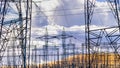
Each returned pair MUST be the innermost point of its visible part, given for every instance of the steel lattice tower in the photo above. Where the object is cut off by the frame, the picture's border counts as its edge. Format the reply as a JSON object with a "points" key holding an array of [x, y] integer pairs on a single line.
{"points": [[89, 4], [94, 38], [20, 25]]}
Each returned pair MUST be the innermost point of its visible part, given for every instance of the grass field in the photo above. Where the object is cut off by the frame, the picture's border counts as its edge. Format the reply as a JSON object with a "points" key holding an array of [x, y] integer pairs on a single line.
{"points": [[101, 60]]}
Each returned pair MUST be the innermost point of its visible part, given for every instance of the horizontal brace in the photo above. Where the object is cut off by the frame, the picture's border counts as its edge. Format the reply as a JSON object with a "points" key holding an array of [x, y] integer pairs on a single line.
{"points": [[105, 28], [96, 38], [112, 35], [13, 21]]}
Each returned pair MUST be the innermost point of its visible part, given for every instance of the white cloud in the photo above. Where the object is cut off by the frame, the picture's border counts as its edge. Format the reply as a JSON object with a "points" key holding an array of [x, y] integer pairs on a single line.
{"points": [[77, 28], [73, 13]]}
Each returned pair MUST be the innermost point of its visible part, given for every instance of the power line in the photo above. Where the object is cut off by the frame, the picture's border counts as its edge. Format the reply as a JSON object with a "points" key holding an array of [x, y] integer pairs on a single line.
{"points": [[74, 14]]}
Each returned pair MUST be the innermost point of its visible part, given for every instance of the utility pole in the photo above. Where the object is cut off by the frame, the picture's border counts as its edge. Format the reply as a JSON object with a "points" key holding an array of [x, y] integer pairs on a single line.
{"points": [[46, 38], [46, 48], [63, 37], [64, 44]]}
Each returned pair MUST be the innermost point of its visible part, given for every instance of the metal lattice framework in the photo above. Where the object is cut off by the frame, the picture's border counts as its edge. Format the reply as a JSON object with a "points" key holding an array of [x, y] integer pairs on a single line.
{"points": [[15, 31], [99, 37]]}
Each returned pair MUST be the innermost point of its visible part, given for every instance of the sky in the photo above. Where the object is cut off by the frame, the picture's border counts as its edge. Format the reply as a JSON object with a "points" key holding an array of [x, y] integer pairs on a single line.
{"points": [[68, 14], [101, 0]]}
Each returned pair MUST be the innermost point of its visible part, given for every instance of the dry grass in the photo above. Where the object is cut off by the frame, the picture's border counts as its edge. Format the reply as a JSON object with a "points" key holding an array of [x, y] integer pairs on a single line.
{"points": [[95, 59]]}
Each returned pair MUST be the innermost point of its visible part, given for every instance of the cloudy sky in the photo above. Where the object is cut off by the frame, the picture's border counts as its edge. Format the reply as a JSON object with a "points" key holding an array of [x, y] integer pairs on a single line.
{"points": [[56, 14], [68, 14]]}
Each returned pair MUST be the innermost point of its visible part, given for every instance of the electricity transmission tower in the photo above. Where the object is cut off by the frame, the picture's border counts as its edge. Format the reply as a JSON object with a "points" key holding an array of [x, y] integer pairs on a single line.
{"points": [[20, 24], [96, 37]]}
